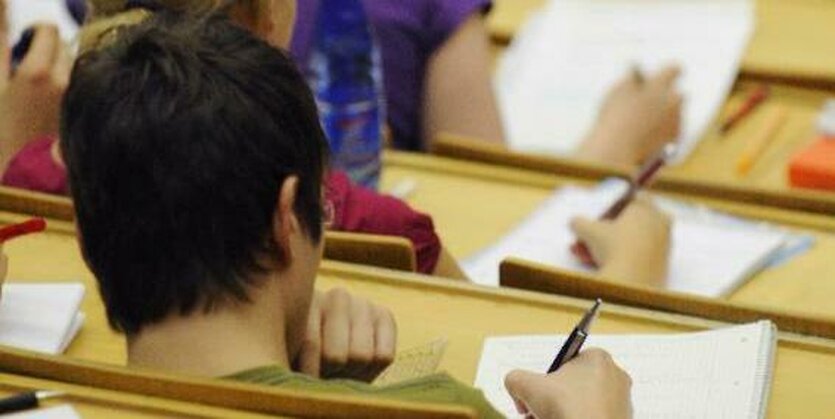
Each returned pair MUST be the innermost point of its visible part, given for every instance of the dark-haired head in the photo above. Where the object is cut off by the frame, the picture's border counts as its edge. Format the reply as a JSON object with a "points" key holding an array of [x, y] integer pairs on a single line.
{"points": [[195, 160]]}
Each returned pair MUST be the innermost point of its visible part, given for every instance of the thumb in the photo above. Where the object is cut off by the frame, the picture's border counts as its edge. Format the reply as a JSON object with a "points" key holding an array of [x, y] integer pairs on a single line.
{"points": [[521, 385], [589, 231]]}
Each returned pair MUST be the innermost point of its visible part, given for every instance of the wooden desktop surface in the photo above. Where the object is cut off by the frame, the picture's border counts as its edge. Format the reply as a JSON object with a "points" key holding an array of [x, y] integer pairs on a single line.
{"points": [[95, 403], [804, 380], [474, 205], [716, 156], [792, 41]]}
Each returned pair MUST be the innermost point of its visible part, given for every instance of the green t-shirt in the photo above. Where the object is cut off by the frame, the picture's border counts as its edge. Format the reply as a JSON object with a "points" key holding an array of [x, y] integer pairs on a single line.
{"points": [[436, 388]]}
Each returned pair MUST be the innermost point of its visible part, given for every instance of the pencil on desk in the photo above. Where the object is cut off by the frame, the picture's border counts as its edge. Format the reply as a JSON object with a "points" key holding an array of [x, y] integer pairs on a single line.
{"points": [[759, 142], [756, 97]]}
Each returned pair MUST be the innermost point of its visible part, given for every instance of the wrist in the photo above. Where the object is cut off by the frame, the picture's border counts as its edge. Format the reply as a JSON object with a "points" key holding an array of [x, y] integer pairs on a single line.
{"points": [[600, 147], [634, 270]]}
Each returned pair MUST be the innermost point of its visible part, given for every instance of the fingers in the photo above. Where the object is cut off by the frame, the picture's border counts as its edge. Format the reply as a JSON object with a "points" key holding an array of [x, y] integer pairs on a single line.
{"points": [[361, 342], [644, 203], [385, 341], [603, 363], [587, 230], [358, 338], [522, 387], [336, 332], [667, 77], [310, 356], [43, 54]]}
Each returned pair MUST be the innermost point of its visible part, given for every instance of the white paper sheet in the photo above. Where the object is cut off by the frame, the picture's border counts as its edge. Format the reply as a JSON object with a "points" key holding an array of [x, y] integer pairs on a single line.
{"points": [[724, 373], [556, 74], [711, 255], [40, 317]]}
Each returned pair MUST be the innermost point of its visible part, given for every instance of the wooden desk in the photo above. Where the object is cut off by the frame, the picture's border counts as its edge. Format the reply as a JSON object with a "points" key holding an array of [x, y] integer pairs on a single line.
{"points": [[96, 403], [804, 379], [715, 158], [710, 170], [792, 42], [466, 314], [497, 199]]}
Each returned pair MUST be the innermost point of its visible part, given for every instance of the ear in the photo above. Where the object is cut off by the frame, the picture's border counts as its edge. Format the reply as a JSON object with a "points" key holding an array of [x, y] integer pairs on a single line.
{"points": [[285, 222]]}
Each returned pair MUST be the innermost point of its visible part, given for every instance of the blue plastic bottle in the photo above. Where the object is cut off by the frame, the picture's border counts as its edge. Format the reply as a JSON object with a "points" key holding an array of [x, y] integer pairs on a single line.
{"points": [[344, 73]]}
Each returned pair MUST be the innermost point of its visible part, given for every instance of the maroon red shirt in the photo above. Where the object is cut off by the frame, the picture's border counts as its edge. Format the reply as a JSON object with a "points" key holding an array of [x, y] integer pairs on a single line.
{"points": [[355, 209]]}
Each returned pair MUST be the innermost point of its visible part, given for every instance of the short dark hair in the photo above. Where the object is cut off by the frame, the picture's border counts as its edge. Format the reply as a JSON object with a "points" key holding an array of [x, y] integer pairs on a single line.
{"points": [[178, 137]]}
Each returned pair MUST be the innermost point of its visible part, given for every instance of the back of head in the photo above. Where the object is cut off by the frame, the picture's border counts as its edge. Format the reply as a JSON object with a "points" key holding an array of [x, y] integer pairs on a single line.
{"points": [[177, 137], [110, 16]]}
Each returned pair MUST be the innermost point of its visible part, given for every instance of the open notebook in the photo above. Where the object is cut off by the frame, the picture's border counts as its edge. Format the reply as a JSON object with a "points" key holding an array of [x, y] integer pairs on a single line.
{"points": [[712, 254], [41, 317], [556, 74], [724, 373]]}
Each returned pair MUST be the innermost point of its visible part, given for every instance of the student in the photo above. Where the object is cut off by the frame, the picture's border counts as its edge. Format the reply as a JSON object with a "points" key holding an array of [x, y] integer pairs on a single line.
{"points": [[437, 63], [196, 160], [30, 97], [361, 210], [36, 165]]}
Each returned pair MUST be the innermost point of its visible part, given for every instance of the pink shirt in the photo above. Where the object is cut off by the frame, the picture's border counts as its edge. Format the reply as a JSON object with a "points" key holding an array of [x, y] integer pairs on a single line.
{"points": [[355, 209]]}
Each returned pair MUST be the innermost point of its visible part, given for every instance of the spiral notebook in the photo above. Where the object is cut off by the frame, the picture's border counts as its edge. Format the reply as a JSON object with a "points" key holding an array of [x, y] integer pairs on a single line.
{"points": [[723, 373]]}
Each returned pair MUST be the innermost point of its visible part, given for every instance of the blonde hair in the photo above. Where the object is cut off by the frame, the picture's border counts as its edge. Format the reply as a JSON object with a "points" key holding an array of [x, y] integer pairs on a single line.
{"points": [[108, 16]]}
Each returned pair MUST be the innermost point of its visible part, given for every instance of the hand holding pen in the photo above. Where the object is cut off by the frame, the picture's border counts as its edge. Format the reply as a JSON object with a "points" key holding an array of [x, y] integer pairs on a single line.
{"points": [[590, 385], [642, 178]]}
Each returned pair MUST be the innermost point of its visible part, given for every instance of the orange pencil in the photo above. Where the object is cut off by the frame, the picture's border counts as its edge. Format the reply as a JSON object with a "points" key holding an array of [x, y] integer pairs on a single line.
{"points": [[759, 142]]}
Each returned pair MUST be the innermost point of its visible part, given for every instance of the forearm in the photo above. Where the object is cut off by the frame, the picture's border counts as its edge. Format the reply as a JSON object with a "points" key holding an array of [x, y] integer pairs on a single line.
{"points": [[447, 267], [459, 95]]}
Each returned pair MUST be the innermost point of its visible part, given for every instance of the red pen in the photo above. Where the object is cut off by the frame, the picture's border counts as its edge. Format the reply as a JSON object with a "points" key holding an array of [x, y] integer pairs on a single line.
{"points": [[757, 96], [641, 179], [32, 225]]}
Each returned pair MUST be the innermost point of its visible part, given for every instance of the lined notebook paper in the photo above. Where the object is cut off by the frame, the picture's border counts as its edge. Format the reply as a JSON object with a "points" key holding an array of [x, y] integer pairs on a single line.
{"points": [[556, 74], [723, 373], [40, 317], [710, 256]]}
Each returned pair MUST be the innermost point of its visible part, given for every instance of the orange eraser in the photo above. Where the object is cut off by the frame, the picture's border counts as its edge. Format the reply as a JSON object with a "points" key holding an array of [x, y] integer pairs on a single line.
{"points": [[814, 167]]}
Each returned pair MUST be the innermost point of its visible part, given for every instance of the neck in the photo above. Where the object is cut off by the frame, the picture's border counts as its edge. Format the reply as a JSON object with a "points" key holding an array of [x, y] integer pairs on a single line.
{"points": [[231, 339]]}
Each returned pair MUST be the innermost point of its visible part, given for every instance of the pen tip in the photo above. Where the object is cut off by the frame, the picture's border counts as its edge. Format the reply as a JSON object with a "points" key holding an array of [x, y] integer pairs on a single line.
{"points": [[670, 151], [48, 394]]}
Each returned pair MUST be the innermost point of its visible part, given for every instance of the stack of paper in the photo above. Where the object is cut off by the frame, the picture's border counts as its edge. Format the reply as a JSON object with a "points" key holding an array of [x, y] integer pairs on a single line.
{"points": [[40, 317], [561, 65], [723, 373], [712, 254]]}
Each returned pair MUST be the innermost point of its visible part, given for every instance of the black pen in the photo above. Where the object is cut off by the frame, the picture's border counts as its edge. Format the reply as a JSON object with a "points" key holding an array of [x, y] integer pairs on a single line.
{"points": [[24, 401], [575, 341]]}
